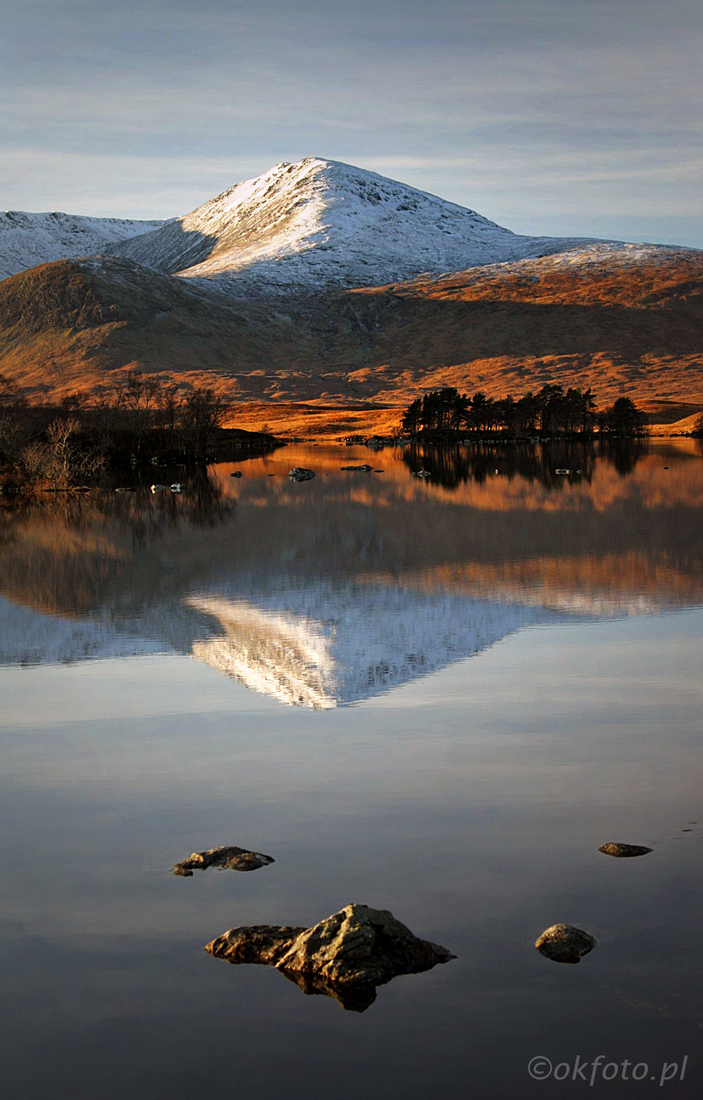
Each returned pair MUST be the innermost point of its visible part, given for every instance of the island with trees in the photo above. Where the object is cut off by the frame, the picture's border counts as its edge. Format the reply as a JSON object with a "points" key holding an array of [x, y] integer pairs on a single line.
{"points": [[553, 411]]}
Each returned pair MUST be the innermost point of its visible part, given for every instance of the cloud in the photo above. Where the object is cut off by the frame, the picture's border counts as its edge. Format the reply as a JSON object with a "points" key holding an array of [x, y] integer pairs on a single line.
{"points": [[556, 102]]}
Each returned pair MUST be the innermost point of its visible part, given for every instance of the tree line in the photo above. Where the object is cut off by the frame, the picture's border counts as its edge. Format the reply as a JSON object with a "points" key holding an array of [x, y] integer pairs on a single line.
{"points": [[552, 411]]}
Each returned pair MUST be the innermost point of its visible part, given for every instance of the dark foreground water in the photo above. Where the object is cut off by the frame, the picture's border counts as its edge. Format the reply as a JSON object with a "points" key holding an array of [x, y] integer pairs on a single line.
{"points": [[438, 698]]}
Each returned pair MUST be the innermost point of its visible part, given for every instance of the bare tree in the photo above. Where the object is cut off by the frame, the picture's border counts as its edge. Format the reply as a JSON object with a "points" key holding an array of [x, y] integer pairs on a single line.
{"points": [[138, 396], [201, 415], [61, 459]]}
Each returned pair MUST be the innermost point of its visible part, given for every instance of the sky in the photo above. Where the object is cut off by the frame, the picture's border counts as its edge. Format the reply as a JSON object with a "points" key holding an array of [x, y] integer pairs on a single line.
{"points": [[565, 117]]}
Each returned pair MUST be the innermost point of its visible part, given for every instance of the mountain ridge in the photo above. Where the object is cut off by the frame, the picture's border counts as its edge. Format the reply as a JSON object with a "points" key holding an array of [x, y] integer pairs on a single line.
{"points": [[322, 282], [27, 239], [310, 225]]}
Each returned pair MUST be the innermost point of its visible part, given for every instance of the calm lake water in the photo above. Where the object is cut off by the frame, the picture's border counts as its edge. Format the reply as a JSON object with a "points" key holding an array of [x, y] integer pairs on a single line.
{"points": [[438, 697]]}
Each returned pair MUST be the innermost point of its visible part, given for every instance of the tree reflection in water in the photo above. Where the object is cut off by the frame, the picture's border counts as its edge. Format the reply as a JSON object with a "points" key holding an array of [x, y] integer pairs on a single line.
{"points": [[453, 465]]}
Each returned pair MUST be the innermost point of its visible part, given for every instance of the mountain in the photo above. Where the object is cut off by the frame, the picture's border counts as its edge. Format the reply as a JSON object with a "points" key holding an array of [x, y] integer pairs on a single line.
{"points": [[623, 321], [320, 281], [30, 239], [319, 223], [64, 327]]}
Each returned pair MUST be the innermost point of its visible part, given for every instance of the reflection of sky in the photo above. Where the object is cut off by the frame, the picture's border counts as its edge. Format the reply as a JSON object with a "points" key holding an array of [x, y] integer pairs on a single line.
{"points": [[471, 804], [551, 116]]}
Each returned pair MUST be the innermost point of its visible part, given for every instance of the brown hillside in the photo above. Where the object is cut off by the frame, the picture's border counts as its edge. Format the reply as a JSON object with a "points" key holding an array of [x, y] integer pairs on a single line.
{"points": [[622, 325]]}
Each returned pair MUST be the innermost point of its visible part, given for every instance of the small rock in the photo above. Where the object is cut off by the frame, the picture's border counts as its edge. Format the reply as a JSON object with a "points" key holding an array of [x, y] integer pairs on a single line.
{"points": [[362, 469], [564, 943], [345, 956], [237, 473], [624, 850], [422, 473], [299, 473], [226, 857]]}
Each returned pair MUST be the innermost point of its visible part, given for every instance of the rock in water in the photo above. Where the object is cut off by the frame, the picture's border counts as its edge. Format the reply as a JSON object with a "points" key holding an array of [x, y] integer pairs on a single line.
{"points": [[624, 850], [344, 956], [229, 857], [299, 473], [264, 944], [564, 943], [360, 944]]}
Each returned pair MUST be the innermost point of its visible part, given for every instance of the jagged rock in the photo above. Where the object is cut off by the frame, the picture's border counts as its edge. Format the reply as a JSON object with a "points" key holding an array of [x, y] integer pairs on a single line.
{"points": [[229, 857], [264, 944], [344, 956], [362, 469], [299, 473], [624, 850], [564, 943]]}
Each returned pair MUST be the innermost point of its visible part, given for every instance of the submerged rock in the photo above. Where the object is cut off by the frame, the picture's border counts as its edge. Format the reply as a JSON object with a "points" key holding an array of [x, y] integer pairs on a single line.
{"points": [[564, 943], [624, 850], [299, 473], [345, 956], [362, 469], [226, 857]]}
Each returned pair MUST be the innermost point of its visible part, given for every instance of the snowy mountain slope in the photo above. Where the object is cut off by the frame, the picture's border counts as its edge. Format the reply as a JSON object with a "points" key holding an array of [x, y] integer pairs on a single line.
{"points": [[27, 240], [29, 637], [321, 222], [339, 644], [324, 647]]}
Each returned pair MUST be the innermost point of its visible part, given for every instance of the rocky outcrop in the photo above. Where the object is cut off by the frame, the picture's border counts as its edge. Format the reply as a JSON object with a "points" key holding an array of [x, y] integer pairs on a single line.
{"points": [[564, 943], [624, 850], [226, 857], [299, 473], [345, 956], [265, 944]]}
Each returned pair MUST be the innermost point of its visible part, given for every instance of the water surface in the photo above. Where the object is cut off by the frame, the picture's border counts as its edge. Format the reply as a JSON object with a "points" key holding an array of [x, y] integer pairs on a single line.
{"points": [[437, 697]]}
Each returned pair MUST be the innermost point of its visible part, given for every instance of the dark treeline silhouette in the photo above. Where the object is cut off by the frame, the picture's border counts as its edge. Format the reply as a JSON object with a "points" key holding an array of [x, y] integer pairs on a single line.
{"points": [[574, 458], [139, 421], [553, 411]]}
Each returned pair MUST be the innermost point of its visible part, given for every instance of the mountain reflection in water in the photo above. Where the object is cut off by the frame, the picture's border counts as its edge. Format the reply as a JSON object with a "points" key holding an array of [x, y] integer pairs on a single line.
{"points": [[331, 591]]}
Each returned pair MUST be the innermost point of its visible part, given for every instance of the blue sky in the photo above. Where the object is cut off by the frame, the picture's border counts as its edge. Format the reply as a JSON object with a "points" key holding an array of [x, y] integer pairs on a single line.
{"points": [[548, 116]]}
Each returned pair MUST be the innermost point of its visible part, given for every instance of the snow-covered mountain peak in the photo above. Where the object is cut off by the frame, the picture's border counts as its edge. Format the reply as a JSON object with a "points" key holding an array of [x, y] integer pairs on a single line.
{"points": [[321, 222], [307, 226]]}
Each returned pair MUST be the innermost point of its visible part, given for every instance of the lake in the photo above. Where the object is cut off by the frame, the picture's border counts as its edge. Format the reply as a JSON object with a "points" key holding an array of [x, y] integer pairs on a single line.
{"points": [[438, 696]]}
